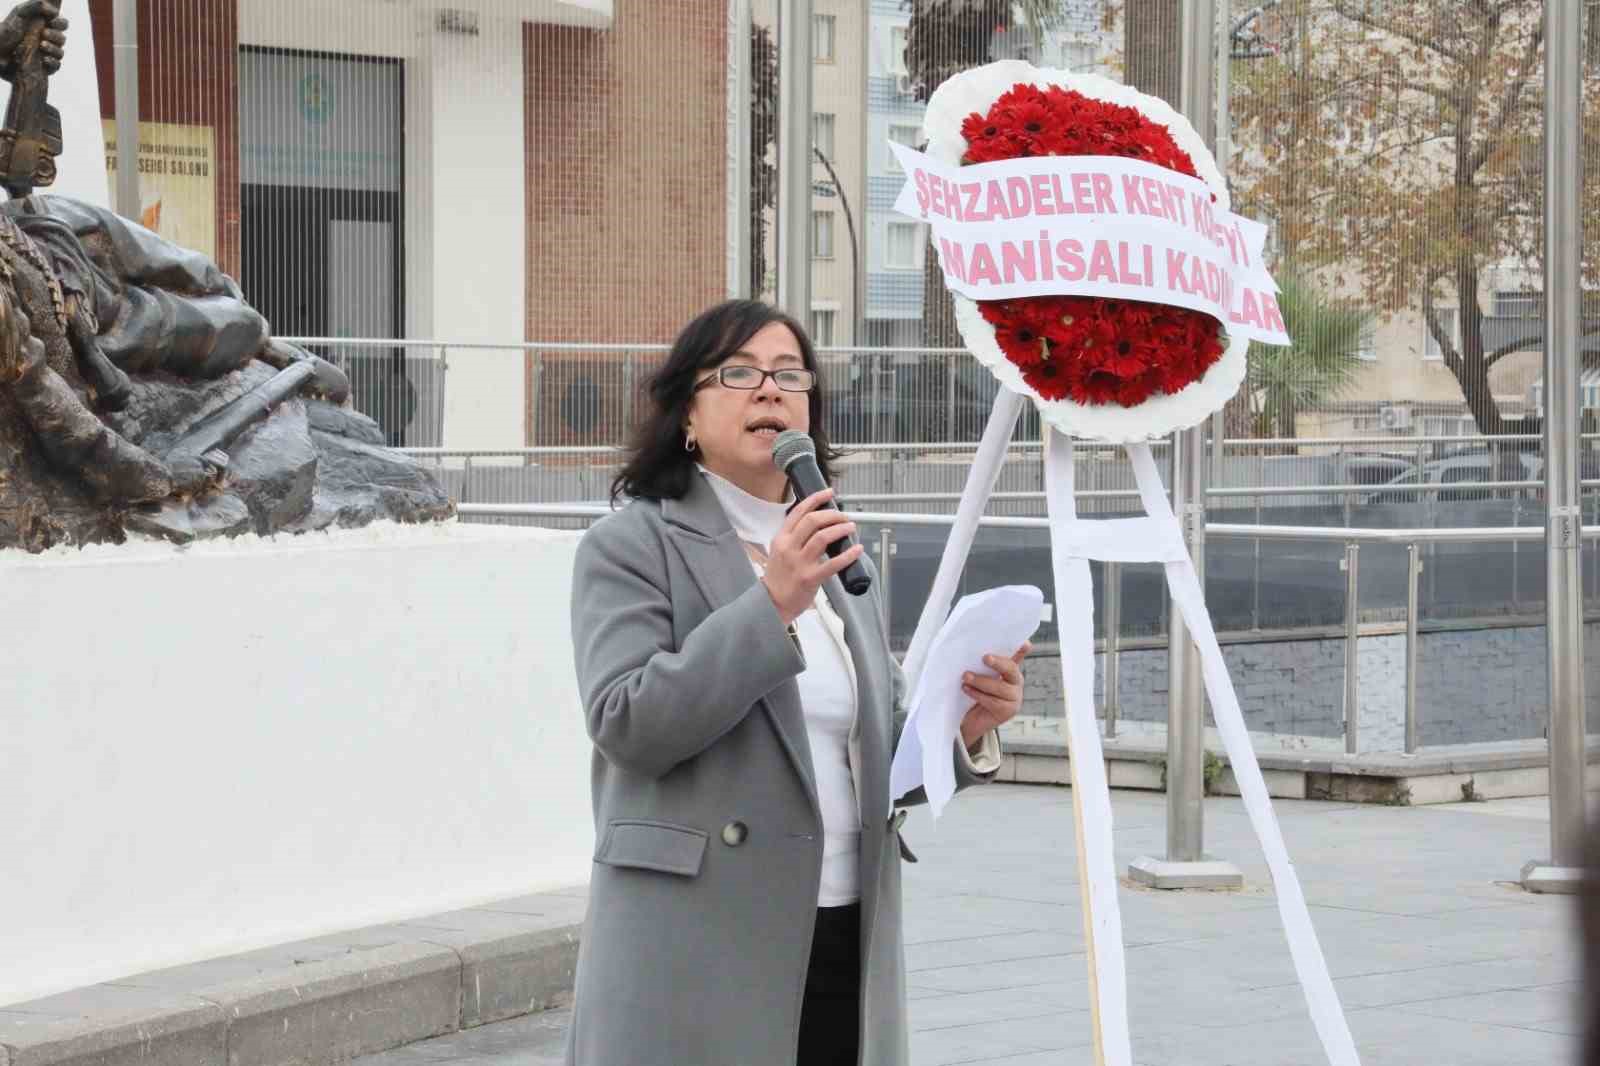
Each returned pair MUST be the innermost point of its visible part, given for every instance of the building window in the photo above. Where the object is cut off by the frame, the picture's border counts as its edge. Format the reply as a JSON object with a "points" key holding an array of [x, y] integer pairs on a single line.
{"points": [[822, 133], [822, 34], [903, 249], [1451, 321], [822, 234], [897, 50], [1367, 343], [822, 323], [1518, 304], [906, 135]]}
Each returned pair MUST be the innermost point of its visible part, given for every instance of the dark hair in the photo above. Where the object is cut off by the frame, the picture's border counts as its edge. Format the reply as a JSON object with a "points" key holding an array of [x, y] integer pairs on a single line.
{"points": [[657, 465]]}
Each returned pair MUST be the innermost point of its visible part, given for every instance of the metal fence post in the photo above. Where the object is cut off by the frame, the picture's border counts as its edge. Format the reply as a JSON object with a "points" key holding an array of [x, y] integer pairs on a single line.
{"points": [[125, 71], [466, 479], [885, 571], [794, 158], [1563, 237], [738, 127], [535, 393], [1255, 584], [1516, 583], [1186, 864], [627, 394], [1413, 624], [1352, 636], [950, 365], [1113, 652]]}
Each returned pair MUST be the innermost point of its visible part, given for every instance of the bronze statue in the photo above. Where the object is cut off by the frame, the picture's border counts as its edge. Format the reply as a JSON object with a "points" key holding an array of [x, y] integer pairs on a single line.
{"points": [[138, 389]]}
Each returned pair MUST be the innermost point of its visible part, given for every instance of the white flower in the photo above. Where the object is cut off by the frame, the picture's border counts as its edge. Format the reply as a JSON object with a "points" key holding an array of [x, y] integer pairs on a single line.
{"points": [[977, 90]]}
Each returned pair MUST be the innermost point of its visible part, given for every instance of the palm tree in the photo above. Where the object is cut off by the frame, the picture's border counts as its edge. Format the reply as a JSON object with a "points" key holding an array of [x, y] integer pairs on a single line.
{"points": [[1321, 362]]}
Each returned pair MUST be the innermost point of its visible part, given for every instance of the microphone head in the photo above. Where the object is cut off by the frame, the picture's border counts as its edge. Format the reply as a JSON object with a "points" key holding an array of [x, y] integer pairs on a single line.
{"points": [[790, 445]]}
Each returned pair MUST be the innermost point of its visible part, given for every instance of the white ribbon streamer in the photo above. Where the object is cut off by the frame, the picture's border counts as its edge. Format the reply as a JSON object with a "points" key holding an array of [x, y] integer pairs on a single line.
{"points": [[1154, 538], [1310, 966], [1091, 794]]}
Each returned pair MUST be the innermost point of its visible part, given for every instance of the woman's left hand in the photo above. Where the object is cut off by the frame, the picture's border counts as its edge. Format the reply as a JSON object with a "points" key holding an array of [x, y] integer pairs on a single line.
{"points": [[995, 700]]}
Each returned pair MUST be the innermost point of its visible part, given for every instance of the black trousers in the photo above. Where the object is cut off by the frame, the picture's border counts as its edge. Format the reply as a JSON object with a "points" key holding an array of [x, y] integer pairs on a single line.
{"points": [[830, 1017]]}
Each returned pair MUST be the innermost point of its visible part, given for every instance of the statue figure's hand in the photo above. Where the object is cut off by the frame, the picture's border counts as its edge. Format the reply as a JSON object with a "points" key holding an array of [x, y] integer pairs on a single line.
{"points": [[15, 27]]}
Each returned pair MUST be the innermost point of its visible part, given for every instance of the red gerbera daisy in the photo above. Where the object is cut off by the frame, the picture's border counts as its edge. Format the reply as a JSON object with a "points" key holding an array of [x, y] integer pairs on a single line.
{"points": [[1094, 350]]}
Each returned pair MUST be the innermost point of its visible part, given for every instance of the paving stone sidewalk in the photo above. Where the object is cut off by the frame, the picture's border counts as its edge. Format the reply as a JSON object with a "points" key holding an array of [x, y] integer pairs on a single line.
{"points": [[1438, 957]]}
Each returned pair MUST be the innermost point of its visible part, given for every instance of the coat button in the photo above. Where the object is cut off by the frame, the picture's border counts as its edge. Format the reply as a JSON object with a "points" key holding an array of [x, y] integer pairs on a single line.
{"points": [[734, 833]]}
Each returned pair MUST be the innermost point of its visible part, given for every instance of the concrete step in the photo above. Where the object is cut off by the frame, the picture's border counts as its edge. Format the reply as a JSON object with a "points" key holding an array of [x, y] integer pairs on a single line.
{"points": [[1036, 753], [315, 1001]]}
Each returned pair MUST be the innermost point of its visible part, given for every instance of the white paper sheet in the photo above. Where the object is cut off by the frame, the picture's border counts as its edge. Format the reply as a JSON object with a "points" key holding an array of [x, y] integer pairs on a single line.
{"points": [[996, 621]]}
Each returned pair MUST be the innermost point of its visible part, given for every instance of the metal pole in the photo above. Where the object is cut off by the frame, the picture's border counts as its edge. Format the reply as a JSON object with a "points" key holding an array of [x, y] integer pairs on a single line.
{"points": [[1413, 569], [1113, 669], [1223, 150], [1563, 221], [794, 158], [738, 127], [535, 396], [950, 397], [1185, 696], [125, 66], [1352, 636], [885, 567]]}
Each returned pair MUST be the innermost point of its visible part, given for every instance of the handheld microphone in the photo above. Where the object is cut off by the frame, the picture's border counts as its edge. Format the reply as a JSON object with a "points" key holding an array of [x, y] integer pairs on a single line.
{"points": [[795, 453]]}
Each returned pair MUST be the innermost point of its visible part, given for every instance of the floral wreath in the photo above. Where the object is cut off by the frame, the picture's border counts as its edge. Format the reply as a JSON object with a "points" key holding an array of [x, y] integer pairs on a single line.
{"points": [[1113, 370]]}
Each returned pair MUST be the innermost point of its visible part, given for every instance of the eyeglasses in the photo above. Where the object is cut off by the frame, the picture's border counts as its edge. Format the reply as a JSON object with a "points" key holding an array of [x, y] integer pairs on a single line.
{"points": [[742, 376]]}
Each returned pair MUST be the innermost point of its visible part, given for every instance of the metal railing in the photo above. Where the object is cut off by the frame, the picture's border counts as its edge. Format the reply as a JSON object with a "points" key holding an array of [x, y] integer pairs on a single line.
{"points": [[588, 393], [1112, 644]]}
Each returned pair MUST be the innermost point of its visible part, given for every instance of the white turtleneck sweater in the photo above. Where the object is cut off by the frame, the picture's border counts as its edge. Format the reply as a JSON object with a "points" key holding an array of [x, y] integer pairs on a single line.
{"points": [[827, 697]]}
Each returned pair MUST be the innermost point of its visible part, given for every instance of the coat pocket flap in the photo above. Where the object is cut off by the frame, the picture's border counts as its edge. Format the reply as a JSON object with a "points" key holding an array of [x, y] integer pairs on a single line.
{"points": [[672, 849]]}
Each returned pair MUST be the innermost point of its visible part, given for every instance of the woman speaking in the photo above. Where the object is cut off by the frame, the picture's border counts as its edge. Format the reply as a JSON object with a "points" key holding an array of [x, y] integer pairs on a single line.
{"points": [[744, 906]]}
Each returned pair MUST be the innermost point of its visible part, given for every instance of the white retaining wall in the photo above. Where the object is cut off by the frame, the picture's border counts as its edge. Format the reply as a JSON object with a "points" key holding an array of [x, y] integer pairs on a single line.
{"points": [[234, 745]]}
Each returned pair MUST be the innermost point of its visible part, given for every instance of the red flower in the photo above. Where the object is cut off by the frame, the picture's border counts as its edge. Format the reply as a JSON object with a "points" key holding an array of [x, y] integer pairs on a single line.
{"points": [[1091, 350]]}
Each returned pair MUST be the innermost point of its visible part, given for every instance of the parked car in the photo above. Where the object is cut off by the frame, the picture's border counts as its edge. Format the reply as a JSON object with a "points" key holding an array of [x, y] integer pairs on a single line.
{"points": [[882, 400], [1376, 468], [1468, 470]]}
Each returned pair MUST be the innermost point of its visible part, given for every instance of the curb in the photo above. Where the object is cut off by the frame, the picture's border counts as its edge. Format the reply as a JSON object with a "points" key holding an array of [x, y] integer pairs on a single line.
{"points": [[315, 1001]]}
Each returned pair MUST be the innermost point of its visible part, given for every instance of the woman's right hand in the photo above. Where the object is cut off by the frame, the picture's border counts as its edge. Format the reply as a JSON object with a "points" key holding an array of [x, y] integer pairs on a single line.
{"points": [[796, 563]]}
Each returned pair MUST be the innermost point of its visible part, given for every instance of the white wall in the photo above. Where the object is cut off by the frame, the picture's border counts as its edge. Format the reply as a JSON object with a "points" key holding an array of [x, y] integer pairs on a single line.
{"points": [[466, 178], [479, 239], [216, 749], [75, 92]]}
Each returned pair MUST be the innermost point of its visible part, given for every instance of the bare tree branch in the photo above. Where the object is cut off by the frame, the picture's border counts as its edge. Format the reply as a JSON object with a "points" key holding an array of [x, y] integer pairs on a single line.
{"points": [[1508, 102], [1421, 40], [1520, 344]]}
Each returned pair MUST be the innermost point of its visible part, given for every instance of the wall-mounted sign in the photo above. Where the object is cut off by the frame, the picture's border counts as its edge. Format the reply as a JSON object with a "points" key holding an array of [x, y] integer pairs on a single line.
{"points": [[319, 122], [177, 181]]}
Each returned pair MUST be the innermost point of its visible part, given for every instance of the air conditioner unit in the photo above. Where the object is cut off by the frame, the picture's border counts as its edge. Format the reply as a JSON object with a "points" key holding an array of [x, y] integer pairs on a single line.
{"points": [[904, 85], [1394, 418]]}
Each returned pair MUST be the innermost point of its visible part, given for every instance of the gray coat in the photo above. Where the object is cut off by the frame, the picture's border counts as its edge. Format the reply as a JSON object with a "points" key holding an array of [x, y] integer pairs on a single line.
{"points": [[708, 846]]}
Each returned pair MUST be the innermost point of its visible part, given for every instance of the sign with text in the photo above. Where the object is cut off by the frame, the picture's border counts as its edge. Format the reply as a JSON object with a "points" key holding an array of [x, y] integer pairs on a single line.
{"points": [[1092, 226], [177, 181]]}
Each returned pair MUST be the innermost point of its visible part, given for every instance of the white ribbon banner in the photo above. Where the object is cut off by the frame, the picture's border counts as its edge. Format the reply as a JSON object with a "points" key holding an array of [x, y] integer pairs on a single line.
{"points": [[1092, 226], [1154, 537], [1157, 538]]}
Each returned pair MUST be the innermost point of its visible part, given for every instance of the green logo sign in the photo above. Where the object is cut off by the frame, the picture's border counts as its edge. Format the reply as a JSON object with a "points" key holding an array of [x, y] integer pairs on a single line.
{"points": [[316, 98]]}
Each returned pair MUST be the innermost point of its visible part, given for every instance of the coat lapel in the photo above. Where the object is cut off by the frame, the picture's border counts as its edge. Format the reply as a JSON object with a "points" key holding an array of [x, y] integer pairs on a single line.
{"points": [[717, 561], [864, 637], [863, 632]]}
